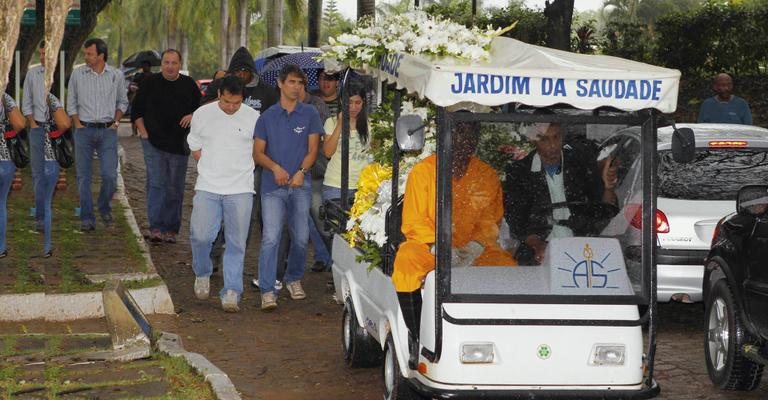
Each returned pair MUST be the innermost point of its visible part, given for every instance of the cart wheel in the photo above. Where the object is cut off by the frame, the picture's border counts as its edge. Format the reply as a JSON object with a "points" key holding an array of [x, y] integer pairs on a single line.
{"points": [[360, 349], [396, 387], [725, 338]]}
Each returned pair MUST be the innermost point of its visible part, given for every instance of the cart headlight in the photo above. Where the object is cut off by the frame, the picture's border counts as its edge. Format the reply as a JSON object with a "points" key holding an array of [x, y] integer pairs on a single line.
{"points": [[476, 353], [607, 354]]}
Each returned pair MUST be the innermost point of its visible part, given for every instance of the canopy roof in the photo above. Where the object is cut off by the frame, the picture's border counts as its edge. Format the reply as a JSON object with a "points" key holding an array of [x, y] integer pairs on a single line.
{"points": [[535, 76]]}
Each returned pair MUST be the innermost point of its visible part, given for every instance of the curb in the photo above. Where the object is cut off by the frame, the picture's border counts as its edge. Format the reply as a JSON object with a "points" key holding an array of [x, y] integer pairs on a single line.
{"points": [[67, 307], [170, 343]]}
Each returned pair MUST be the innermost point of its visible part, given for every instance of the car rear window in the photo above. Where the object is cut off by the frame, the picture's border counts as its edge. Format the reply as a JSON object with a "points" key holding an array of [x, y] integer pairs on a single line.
{"points": [[715, 174]]}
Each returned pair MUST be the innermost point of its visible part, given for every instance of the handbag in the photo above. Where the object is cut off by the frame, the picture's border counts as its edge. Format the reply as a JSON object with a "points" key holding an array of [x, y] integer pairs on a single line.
{"points": [[18, 148], [63, 148]]}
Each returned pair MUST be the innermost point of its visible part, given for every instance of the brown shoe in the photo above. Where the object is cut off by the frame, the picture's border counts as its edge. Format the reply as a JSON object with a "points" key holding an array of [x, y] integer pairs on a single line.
{"points": [[169, 237], [155, 236]]}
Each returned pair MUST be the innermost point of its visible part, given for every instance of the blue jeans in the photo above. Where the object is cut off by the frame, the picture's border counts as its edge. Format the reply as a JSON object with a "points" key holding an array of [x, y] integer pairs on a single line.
{"points": [[330, 193], [166, 173], [36, 157], [208, 210], [45, 185], [276, 205], [7, 170], [104, 141]]}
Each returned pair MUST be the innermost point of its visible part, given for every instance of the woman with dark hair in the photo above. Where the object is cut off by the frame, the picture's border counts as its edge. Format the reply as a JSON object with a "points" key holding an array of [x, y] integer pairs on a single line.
{"points": [[359, 154], [45, 184], [7, 167]]}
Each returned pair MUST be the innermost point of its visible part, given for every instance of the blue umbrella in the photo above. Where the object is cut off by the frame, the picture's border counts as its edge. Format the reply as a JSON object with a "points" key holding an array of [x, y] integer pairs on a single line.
{"points": [[304, 60]]}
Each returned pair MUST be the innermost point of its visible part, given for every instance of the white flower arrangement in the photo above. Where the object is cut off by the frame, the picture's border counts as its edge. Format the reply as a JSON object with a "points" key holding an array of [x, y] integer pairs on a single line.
{"points": [[414, 32]]}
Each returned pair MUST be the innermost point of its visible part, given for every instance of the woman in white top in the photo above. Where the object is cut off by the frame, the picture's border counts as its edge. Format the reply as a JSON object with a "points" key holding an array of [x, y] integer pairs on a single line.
{"points": [[359, 156]]}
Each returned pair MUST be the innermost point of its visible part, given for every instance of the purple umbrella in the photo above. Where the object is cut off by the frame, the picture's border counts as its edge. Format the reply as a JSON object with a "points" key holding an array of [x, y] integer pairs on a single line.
{"points": [[305, 61]]}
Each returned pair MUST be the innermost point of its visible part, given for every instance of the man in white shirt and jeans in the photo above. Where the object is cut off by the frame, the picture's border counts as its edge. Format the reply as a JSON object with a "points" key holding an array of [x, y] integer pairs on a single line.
{"points": [[221, 139]]}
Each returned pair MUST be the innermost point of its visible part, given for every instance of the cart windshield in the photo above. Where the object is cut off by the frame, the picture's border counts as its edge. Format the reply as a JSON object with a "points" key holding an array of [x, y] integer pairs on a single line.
{"points": [[545, 210]]}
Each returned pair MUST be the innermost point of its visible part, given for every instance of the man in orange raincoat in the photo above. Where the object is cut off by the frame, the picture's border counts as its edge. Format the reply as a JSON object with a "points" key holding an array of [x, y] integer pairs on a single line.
{"points": [[476, 213]]}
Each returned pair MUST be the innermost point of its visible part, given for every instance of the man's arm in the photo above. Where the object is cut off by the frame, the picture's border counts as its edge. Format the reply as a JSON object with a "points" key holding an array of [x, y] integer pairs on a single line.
{"points": [[313, 141], [121, 103], [27, 106], [261, 158], [72, 99]]}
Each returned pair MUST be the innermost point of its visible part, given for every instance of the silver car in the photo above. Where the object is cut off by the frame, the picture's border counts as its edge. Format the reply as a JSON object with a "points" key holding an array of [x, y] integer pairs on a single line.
{"points": [[692, 197]]}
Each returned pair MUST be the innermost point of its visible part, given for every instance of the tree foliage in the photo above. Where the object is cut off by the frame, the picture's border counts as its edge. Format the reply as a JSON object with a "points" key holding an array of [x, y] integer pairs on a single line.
{"points": [[719, 36]]}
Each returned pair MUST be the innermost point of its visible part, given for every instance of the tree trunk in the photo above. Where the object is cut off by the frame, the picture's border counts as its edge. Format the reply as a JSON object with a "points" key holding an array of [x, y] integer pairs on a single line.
{"points": [[559, 14], [314, 15], [75, 36], [368, 8], [231, 36], [224, 10], [243, 21], [184, 51], [275, 23]]}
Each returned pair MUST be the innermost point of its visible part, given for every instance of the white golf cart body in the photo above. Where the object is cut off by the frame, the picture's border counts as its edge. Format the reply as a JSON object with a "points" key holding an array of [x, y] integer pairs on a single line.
{"points": [[538, 348]]}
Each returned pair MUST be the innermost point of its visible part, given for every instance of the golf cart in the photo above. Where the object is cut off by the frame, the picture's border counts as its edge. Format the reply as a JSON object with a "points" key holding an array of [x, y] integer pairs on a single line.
{"points": [[570, 327]]}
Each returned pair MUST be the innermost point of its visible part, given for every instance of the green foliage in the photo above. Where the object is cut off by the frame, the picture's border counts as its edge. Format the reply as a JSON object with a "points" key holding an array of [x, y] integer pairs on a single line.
{"points": [[718, 37], [333, 23], [630, 40], [530, 26], [584, 38]]}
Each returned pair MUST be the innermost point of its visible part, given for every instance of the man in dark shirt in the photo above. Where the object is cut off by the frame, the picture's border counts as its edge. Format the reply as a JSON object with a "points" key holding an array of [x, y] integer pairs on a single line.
{"points": [[258, 94], [162, 112], [329, 91]]}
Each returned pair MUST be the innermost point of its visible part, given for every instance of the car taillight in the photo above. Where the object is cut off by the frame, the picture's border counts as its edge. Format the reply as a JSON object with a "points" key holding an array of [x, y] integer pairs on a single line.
{"points": [[716, 232], [728, 143], [662, 224], [634, 214]]}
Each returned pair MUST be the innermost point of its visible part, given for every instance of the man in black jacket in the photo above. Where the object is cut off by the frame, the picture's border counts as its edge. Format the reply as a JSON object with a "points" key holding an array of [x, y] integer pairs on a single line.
{"points": [[258, 94], [162, 113], [556, 174]]}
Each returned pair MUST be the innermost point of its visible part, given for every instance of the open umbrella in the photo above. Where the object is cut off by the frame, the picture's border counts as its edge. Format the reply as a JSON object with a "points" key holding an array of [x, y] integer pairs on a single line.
{"points": [[304, 60], [138, 58]]}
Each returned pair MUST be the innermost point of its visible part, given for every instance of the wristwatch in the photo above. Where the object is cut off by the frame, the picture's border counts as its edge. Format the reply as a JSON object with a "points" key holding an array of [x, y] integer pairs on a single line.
{"points": [[303, 170]]}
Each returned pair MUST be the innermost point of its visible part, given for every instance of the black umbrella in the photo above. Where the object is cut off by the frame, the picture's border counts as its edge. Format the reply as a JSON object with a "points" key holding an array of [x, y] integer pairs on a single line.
{"points": [[138, 58]]}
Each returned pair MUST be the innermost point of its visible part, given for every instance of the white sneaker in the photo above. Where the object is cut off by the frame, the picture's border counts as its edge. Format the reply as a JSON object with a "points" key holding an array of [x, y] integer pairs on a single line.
{"points": [[202, 287], [229, 301], [268, 301], [296, 291], [278, 284]]}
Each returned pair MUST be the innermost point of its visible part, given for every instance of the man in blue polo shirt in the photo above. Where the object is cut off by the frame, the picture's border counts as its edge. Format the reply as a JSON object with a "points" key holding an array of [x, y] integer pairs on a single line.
{"points": [[287, 137], [725, 107]]}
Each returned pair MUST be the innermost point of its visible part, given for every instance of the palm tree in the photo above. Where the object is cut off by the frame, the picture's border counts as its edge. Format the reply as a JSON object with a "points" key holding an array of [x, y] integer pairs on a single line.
{"points": [[314, 14], [366, 8]]}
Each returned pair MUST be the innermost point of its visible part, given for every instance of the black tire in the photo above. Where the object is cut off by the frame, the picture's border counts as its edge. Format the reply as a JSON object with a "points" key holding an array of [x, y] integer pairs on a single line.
{"points": [[360, 349], [725, 337], [396, 387]]}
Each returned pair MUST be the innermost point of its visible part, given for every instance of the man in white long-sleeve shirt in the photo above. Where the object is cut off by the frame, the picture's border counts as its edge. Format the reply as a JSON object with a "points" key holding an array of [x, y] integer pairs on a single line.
{"points": [[221, 139]]}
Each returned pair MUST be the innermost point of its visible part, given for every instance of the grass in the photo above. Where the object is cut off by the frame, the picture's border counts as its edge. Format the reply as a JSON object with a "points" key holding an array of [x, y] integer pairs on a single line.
{"points": [[64, 272], [56, 380]]}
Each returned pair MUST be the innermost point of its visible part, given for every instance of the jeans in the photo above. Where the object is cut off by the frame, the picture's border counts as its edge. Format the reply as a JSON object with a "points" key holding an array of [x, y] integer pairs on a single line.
{"points": [[166, 173], [45, 185], [208, 210], [104, 141], [36, 157], [319, 241], [218, 243], [330, 193], [7, 171], [276, 205]]}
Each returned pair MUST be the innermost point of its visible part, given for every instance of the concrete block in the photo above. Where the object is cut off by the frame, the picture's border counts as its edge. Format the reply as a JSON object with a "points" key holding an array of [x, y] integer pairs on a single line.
{"points": [[127, 324]]}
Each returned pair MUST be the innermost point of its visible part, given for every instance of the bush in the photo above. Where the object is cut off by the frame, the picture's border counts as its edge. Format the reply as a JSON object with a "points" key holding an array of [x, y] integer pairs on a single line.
{"points": [[717, 37]]}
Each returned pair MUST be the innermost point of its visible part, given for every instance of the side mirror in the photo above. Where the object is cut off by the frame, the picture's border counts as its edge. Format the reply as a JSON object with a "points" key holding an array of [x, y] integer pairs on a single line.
{"points": [[409, 131], [752, 200], [683, 145]]}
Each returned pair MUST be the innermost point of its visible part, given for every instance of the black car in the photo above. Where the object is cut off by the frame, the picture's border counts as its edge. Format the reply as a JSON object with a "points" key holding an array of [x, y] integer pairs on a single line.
{"points": [[736, 294]]}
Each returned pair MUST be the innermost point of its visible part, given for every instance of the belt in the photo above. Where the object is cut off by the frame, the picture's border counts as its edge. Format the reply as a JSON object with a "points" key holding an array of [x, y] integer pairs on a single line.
{"points": [[40, 123], [97, 125]]}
